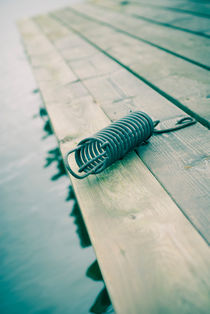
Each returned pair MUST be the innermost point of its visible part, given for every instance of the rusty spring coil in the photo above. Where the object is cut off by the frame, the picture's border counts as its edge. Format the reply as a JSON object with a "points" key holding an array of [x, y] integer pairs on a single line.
{"points": [[94, 154]]}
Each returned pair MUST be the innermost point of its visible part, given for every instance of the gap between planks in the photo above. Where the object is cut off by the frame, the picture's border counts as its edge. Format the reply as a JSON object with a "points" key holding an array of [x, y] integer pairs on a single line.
{"points": [[184, 22], [182, 45], [184, 153], [171, 80], [151, 257], [183, 7]]}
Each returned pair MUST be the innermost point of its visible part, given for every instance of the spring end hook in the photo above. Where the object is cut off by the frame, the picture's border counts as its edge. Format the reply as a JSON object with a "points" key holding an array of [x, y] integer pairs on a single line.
{"points": [[94, 154], [173, 125]]}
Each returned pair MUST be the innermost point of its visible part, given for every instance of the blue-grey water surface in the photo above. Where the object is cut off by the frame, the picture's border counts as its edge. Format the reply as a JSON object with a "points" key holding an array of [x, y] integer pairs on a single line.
{"points": [[47, 264]]}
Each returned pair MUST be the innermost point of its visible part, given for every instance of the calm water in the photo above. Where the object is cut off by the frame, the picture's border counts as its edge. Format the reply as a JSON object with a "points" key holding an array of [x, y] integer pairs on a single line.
{"points": [[47, 264]]}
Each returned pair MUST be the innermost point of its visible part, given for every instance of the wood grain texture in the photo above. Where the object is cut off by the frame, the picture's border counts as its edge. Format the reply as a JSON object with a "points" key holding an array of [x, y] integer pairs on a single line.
{"points": [[184, 154], [152, 259], [172, 40], [185, 84]]}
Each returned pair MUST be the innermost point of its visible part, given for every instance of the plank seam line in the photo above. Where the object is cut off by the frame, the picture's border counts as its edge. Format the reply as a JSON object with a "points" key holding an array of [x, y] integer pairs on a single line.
{"points": [[186, 216], [201, 65], [176, 102], [149, 20], [66, 137], [170, 26], [183, 11]]}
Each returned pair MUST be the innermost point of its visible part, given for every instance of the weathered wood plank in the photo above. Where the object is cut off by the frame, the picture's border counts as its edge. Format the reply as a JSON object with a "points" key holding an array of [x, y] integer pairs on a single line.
{"points": [[190, 7], [157, 15], [151, 257], [182, 83], [184, 153], [185, 45]]}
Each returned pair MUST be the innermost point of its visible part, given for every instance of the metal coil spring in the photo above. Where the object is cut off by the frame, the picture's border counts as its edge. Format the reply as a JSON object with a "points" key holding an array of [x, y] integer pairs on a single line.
{"points": [[96, 153]]}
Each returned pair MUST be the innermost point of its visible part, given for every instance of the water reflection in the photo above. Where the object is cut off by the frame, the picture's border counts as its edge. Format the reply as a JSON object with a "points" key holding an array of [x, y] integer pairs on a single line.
{"points": [[47, 125], [79, 222], [55, 156], [102, 303], [48, 129], [36, 91]]}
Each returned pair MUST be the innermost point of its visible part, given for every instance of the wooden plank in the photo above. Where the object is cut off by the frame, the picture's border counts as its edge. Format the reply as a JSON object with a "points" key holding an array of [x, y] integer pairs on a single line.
{"points": [[185, 45], [151, 257], [190, 7], [117, 91], [182, 83], [192, 24]]}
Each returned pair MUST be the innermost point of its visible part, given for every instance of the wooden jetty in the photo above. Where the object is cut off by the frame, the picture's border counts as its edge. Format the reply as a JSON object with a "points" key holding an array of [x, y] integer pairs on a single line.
{"points": [[148, 214]]}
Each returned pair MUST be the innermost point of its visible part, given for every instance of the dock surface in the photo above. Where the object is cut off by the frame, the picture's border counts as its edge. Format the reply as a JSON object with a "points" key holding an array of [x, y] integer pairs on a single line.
{"points": [[148, 214]]}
